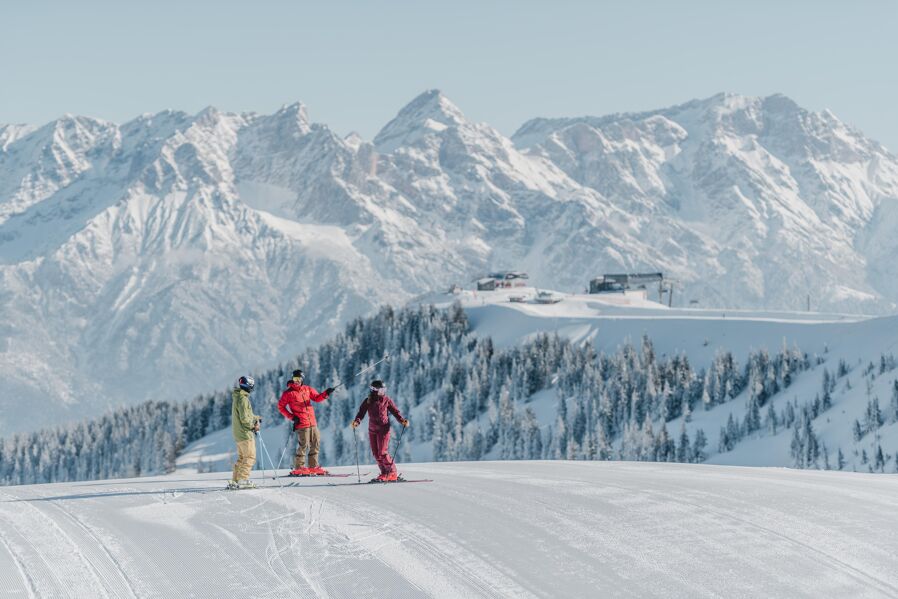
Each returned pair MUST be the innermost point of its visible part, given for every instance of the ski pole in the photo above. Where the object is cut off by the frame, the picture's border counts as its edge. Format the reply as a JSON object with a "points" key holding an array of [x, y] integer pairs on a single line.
{"points": [[398, 444], [358, 470], [274, 475], [259, 453], [286, 445], [361, 372], [265, 449]]}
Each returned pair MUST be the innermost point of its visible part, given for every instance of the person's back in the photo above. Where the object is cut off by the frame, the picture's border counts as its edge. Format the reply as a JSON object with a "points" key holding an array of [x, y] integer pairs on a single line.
{"points": [[244, 425], [242, 417]]}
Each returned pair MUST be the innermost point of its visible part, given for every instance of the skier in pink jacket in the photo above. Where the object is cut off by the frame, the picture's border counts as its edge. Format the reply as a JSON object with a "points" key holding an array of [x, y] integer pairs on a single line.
{"points": [[379, 408]]}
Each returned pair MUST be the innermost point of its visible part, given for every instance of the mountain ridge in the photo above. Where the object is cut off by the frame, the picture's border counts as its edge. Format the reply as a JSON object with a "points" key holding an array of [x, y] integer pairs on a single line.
{"points": [[189, 248]]}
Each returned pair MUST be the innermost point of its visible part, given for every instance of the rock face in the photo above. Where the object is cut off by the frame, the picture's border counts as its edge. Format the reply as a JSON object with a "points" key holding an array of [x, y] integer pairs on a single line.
{"points": [[167, 255]]}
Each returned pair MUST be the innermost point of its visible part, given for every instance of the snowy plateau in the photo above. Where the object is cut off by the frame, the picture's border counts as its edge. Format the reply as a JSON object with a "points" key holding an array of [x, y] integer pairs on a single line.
{"points": [[160, 258]]}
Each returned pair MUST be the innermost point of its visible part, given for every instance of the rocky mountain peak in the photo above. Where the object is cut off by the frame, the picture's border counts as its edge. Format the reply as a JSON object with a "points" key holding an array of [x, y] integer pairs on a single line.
{"points": [[430, 112]]}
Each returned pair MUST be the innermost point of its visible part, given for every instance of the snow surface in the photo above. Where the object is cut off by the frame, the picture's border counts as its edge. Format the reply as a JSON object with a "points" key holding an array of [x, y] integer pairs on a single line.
{"points": [[509, 529]]}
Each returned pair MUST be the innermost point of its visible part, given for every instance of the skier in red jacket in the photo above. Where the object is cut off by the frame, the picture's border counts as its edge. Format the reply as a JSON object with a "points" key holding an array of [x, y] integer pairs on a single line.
{"points": [[379, 407], [296, 405]]}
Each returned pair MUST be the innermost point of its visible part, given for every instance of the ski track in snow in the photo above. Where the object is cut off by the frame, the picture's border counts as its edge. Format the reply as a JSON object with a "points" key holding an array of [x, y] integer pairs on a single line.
{"points": [[16, 580], [65, 570], [105, 566], [485, 529]]}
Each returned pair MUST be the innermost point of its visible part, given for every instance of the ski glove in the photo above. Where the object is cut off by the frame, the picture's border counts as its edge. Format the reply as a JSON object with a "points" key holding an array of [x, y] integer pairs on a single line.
{"points": [[355, 424], [328, 391], [405, 422]]}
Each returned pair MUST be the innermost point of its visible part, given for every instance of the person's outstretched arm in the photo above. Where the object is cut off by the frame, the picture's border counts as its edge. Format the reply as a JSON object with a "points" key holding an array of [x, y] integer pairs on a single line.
{"points": [[320, 396]]}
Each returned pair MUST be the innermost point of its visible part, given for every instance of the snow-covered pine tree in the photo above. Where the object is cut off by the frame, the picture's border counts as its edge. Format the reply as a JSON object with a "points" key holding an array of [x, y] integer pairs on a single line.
{"points": [[872, 416], [879, 462], [698, 446], [684, 447], [771, 421]]}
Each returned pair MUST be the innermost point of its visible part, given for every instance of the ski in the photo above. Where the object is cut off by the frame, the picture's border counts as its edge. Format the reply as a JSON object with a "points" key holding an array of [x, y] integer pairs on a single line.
{"points": [[398, 480], [320, 475], [325, 483]]}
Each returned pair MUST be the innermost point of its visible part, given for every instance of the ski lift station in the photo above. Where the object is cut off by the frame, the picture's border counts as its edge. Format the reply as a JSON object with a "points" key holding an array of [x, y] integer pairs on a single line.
{"points": [[503, 280], [633, 282]]}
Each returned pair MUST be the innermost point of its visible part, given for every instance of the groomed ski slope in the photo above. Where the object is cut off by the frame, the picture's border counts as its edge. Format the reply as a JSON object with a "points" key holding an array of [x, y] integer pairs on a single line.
{"points": [[488, 529]]}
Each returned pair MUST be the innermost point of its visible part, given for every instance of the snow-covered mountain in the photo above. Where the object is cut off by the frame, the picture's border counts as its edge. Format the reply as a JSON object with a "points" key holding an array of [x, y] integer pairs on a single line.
{"points": [[754, 201], [163, 256], [500, 529]]}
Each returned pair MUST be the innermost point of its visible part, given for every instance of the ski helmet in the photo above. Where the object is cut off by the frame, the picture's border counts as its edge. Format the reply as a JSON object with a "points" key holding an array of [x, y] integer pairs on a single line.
{"points": [[378, 388], [298, 374], [247, 383]]}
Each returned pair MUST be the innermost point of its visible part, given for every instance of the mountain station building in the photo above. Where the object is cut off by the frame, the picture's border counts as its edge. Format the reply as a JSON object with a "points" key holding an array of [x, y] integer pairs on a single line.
{"points": [[625, 282], [503, 280]]}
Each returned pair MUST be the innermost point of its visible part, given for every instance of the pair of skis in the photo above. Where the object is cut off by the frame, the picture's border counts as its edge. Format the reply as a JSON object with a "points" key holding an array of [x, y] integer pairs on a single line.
{"points": [[328, 475], [373, 481]]}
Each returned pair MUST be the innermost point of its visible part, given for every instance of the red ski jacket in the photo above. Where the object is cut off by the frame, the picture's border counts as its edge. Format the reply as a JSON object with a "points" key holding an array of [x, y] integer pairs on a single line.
{"points": [[379, 408], [297, 400]]}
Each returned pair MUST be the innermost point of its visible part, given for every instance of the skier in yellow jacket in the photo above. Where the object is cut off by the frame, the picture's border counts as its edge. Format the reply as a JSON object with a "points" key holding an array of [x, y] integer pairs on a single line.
{"points": [[244, 425]]}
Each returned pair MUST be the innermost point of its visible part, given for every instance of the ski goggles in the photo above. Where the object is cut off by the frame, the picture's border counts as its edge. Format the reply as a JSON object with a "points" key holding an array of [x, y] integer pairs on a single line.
{"points": [[378, 390]]}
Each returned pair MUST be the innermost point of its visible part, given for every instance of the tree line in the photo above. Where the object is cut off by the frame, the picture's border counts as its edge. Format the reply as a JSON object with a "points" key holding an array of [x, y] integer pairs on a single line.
{"points": [[476, 400]]}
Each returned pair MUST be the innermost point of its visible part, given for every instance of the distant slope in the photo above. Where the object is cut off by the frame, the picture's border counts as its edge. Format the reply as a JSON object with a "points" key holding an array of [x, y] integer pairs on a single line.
{"points": [[866, 348], [525, 529]]}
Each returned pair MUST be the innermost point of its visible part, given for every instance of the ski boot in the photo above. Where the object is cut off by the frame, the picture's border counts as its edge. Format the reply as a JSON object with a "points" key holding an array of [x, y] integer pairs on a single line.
{"points": [[237, 485], [300, 472], [318, 471]]}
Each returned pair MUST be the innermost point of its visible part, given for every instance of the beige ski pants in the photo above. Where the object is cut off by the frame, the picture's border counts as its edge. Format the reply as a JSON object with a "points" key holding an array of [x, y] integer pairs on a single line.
{"points": [[246, 459]]}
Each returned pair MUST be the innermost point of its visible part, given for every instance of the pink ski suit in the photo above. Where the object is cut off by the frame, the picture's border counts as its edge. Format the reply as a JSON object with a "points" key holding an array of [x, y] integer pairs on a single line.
{"points": [[379, 408]]}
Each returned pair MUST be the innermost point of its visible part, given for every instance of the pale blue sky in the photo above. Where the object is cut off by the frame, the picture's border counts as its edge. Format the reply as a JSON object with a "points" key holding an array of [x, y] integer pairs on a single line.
{"points": [[356, 63]]}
